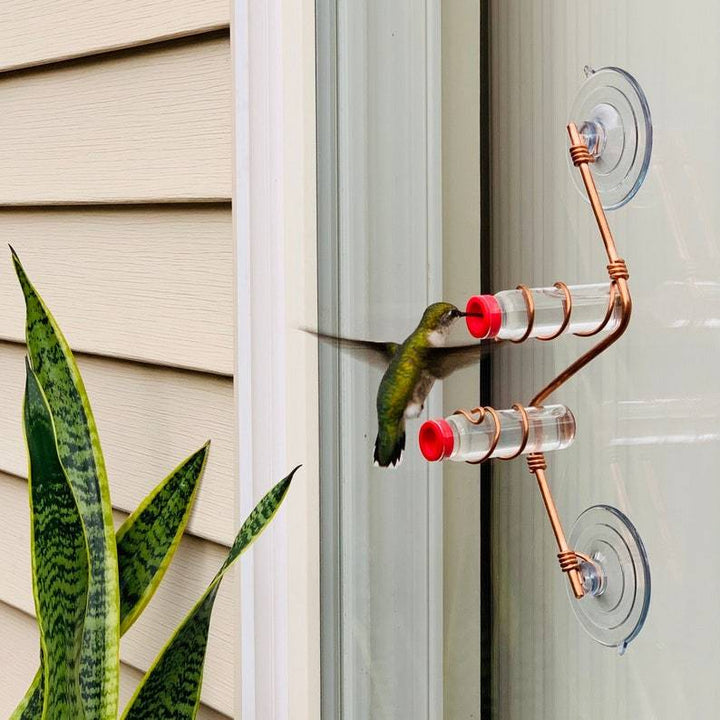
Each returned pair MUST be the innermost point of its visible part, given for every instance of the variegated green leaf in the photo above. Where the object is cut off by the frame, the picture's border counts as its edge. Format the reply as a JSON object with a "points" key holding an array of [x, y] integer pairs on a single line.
{"points": [[147, 540], [59, 560], [146, 543], [79, 451], [31, 706], [171, 687]]}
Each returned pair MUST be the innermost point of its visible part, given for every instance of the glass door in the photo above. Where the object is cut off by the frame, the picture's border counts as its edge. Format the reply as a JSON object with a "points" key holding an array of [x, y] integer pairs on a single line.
{"points": [[444, 172], [647, 427]]}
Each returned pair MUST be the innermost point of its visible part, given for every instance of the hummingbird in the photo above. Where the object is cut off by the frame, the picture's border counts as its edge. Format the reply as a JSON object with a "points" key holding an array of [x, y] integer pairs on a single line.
{"points": [[411, 368]]}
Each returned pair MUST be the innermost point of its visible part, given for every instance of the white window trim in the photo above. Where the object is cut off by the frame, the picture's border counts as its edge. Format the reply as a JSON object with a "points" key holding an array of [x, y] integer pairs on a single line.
{"points": [[274, 207], [343, 690]]}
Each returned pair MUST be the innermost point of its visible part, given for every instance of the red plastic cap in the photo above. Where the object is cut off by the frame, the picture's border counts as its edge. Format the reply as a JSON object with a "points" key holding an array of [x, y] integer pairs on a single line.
{"points": [[436, 439], [486, 316]]}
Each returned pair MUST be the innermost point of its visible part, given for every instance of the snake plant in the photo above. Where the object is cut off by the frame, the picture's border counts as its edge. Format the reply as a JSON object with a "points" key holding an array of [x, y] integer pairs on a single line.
{"points": [[90, 583]]}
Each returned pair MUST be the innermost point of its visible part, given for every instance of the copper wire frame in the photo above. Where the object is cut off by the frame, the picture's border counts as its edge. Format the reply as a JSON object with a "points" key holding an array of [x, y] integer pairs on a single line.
{"points": [[477, 416], [567, 313], [568, 558]]}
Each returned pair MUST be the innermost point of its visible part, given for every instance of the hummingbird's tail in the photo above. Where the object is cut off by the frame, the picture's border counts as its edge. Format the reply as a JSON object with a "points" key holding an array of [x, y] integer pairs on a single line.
{"points": [[389, 447]]}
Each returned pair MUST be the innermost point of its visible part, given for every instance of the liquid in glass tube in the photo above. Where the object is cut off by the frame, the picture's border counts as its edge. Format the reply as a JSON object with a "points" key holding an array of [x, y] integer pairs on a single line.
{"points": [[504, 316], [456, 438]]}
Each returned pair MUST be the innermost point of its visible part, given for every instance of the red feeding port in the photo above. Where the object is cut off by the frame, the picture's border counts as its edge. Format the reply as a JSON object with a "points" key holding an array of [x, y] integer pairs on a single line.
{"points": [[436, 439], [484, 318]]}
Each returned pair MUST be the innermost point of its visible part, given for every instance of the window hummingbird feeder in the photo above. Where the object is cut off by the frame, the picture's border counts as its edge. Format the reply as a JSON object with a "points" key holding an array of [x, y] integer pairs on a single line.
{"points": [[604, 559]]}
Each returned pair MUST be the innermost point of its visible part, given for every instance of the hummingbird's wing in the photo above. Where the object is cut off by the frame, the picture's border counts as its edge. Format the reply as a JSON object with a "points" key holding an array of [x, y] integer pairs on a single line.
{"points": [[444, 361], [376, 353]]}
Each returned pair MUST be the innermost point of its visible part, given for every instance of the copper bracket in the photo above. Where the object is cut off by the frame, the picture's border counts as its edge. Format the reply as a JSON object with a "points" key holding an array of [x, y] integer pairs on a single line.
{"points": [[618, 274]]}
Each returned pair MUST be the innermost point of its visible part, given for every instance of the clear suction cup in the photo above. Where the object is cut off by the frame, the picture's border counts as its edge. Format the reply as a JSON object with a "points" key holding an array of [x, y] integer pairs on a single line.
{"points": [[616, 581], [612, 114]]}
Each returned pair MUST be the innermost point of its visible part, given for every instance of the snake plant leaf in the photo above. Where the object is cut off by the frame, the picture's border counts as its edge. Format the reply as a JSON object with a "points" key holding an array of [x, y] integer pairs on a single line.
{"points": [[81, 456], [147, 540], [171, 687], [59, 560], [146, 543], [31, 706]]}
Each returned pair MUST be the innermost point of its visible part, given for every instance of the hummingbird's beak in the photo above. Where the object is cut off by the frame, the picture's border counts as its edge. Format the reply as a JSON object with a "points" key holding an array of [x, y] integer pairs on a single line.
{"points": [[467, 314]]}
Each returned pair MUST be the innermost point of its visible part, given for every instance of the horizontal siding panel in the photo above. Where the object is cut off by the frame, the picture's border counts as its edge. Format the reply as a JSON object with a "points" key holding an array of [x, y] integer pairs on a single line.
{"points": [[19, 662], [144, 126], [40, 31], [191, 571], [149, 419], [148, 283]]}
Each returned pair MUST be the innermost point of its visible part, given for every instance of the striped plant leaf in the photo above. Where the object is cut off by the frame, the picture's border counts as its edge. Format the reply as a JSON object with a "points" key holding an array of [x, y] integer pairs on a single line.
{"points": [[147, 540], [31, 706], [81, 456], [59, 560], [146, 543], [171, 687]]}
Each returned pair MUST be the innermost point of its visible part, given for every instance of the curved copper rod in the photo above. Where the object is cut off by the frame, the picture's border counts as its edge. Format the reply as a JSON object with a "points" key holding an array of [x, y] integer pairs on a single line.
{"points": [[616, 269], [618, 272]]}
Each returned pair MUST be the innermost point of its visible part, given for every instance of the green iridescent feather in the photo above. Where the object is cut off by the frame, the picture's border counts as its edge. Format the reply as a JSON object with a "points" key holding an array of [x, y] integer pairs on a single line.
{"points": [[171, 687], [146, 543], [81, 456], [59, 560]]}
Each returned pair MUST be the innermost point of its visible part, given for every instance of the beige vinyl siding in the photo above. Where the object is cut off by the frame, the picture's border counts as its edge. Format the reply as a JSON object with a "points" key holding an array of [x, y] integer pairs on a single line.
{"points": [[149, 125], [39, 31], [17, 630], [155, 283], [149, 419], [115, 190]]}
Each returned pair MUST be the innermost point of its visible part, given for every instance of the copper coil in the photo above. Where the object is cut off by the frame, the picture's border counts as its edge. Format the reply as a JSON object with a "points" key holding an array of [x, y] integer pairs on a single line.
{"points": [[618, 269], [525, 427], [608, 314], [536, 461], [580, 154], [496, 432], [470, 415], [474, 416], [568, 560], [585, 558], [477, 415], [530, 305], [567, 312]]}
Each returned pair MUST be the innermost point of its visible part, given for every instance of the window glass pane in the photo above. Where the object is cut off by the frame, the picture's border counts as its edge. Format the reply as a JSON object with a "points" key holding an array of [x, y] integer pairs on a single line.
{"points": [[647, 438], [399, 228]]}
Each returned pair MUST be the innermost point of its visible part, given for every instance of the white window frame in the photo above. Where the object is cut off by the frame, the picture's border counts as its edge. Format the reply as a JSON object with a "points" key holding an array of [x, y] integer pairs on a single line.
{"points": [[274, 208], [344, 670]]}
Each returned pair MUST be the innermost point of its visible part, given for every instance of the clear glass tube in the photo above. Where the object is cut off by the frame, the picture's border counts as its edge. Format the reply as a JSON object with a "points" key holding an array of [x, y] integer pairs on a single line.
{"points": [[456, 438], [504, 315]]}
